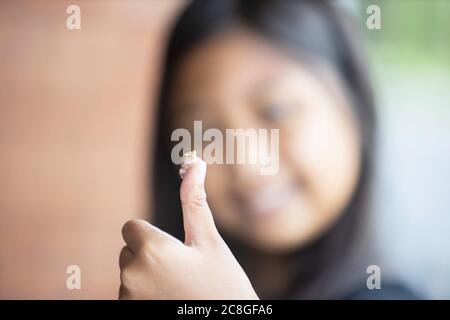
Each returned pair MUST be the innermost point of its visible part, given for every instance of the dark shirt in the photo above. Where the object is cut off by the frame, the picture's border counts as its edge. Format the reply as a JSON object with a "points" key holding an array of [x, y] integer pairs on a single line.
{"points": [[388, 291]]}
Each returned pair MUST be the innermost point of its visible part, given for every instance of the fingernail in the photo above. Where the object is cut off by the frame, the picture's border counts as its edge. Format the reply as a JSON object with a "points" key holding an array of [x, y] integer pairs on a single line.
{"points": [[190, 159], [201, 172]]}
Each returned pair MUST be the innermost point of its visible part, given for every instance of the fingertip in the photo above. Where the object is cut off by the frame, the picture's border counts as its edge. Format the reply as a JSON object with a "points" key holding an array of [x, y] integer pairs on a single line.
{"points": [[195, 166]]}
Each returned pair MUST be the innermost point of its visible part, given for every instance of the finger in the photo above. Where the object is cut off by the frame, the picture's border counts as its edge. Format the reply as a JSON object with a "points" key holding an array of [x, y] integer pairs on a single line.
{"points": [[137, 233], [197, 217], [126, 255]]}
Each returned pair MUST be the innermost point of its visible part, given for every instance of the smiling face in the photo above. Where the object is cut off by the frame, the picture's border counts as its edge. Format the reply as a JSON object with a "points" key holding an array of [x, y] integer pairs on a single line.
{"points": [[239, 80]]}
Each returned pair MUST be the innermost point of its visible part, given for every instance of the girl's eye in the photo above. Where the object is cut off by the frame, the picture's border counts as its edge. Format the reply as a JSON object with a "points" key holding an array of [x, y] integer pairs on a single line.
{"points": [[276, 112]]}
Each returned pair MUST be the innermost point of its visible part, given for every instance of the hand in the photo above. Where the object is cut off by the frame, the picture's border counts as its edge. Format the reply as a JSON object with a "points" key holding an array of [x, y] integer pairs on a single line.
{"points": [[155, 265]]}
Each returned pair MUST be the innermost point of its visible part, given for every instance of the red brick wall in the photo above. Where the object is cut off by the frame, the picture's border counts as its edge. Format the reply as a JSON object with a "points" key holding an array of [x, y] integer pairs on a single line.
{"points": [[75, 117]]}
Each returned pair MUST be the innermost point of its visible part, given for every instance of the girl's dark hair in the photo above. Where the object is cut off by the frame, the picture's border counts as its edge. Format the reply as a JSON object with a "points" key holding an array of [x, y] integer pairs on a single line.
{"points": [[307, 28]]}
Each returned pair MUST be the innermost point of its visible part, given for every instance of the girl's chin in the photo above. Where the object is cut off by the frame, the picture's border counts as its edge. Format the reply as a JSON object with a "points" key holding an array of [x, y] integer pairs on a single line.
{"points": [[271, 208], [277, 239], [276, 245]]}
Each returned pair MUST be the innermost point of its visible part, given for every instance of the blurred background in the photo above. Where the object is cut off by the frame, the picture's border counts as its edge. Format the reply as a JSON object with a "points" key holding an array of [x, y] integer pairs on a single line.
{"points": [[75, 130], [410, 60]]}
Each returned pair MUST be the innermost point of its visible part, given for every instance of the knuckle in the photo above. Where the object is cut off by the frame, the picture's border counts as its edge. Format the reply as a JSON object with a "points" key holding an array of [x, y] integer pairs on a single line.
{"points": [[150, 255], [153, 256], [129, 226], [195, 198], [146, 250], [198, 200]]}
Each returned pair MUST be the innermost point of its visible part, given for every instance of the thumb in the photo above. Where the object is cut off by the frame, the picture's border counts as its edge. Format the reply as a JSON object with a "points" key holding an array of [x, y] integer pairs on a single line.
{"points": [[197, 217]]}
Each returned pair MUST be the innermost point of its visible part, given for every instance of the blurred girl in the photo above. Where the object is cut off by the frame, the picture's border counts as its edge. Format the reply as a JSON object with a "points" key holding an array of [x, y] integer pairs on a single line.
{"points": [[294, 66]]}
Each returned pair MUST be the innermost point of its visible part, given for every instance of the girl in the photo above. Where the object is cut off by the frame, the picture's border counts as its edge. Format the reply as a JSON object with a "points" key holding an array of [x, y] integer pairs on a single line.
{"points": [[289, 65]]}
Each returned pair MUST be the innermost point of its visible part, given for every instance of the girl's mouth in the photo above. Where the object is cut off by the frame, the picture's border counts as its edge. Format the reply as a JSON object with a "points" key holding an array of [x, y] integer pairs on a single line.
{"points": [[269, 199]]}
